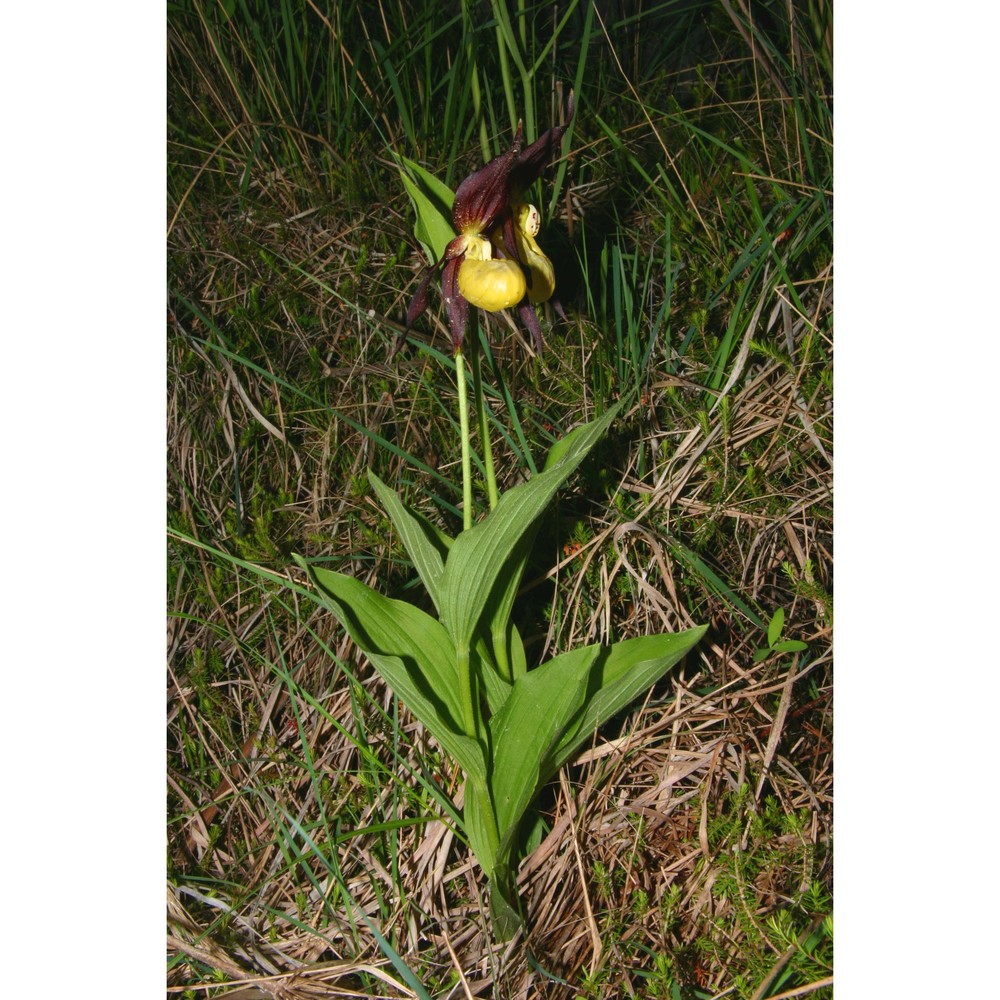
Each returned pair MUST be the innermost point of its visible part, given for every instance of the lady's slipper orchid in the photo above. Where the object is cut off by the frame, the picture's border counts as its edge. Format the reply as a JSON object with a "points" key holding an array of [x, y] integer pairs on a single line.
{"points": [[494, 263]]}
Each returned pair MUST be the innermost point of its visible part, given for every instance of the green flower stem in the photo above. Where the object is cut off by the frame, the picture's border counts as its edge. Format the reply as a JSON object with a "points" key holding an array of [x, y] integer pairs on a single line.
{"points": [[463, 422], [462, 653], [499, 632], [484, 427]]}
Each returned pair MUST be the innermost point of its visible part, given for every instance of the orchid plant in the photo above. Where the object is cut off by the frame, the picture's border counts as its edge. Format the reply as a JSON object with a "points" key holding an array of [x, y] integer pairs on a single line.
{"points": [[463, 672]]}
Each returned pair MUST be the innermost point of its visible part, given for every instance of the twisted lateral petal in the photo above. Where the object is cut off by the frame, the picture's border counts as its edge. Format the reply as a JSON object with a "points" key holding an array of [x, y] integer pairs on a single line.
{"points": [[419, 301], [530, 319], [482, 196], [504, 236], [455, 249], [454, 302]]}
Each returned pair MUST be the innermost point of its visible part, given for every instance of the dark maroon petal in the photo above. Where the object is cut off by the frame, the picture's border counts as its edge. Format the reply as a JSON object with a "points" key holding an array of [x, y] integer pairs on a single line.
{"points": [[419, 302], [456, 248], [533, 160], [530, 319], [482, 196], [456, 303], [508, 241]]}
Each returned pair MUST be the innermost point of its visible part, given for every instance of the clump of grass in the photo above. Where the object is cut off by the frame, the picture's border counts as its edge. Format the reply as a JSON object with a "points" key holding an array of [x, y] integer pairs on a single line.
{"points": [[311, 820]]}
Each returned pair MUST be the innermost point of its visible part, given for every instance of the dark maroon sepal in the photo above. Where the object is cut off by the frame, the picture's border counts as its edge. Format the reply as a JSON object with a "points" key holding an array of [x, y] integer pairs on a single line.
{"points": [[531, 162], [482, 196]]}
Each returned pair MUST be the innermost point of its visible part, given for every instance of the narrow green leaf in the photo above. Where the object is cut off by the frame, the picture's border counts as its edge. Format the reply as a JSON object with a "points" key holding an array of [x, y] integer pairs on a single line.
{"points": [[404, 107], [775, 626], [397, 960], [683, 554], [412, 651], [790, 646], [426, 544], [478, 555], [520, 447]]}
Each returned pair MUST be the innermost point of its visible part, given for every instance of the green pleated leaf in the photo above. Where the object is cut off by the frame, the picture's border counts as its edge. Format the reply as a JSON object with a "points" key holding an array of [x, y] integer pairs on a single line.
{"points": [[622, 673], [478, 555], [525, 733], [481, 834], [412, 651], [554, 709], [432, 200], [425, 543]]}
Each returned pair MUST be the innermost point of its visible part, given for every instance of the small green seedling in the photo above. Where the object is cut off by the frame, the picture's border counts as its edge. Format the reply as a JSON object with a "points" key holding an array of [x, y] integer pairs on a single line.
{"points": [[775, 644]]}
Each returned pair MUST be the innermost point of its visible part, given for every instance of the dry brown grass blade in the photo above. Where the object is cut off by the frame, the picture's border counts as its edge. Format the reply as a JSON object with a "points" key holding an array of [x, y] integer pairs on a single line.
{"points": [[744, 350], [595, 935], [765, 986], [759, 55], [776, 727], [802, 991]]}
